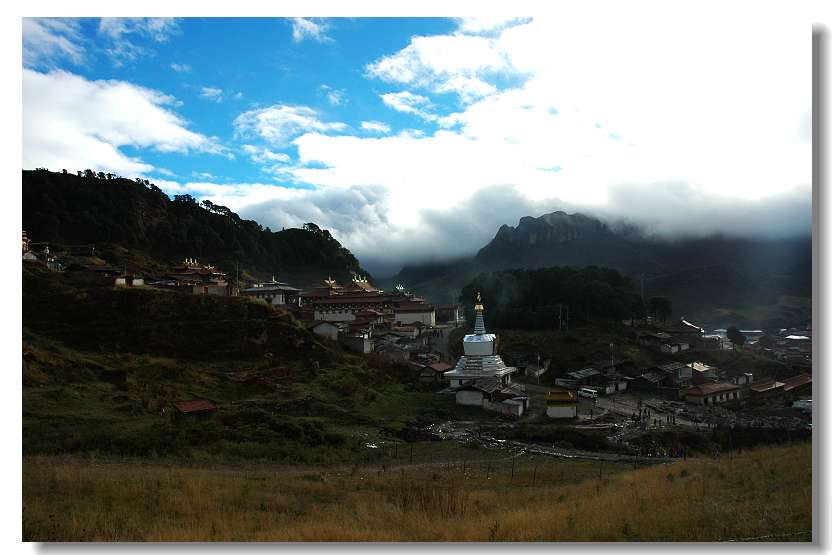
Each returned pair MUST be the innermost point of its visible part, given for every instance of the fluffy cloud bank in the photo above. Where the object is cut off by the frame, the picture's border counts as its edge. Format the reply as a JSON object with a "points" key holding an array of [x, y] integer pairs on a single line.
{"points": [[695, 126], [650, 124], [87, 124]]}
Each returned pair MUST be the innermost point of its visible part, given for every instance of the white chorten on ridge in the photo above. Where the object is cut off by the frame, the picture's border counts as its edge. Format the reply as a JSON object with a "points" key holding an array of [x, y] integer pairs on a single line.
{"points": [[480, 360]]}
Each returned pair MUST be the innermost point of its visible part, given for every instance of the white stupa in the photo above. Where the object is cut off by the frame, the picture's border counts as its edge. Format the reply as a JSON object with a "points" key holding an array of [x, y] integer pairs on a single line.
{"points": [[480, 361]]}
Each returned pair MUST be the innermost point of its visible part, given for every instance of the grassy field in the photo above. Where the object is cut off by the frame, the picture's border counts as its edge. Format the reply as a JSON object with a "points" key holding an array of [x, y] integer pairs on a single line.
{"points": [[763, 493]]}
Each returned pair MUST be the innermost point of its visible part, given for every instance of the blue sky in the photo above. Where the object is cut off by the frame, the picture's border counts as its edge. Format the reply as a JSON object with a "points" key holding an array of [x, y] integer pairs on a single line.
{"points": [[219, 68], [416, 138]]}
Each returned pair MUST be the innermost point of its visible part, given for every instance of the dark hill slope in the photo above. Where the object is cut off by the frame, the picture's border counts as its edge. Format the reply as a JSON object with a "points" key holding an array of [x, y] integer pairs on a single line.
{"points": [[97, 317], [68, 209]]}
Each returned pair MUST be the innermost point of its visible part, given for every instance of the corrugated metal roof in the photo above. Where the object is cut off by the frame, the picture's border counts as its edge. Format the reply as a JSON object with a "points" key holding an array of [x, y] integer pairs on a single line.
{"points": [[195, 405], [583, 373], [440, 366], [710, 389], [797, 381], [560, 397]]}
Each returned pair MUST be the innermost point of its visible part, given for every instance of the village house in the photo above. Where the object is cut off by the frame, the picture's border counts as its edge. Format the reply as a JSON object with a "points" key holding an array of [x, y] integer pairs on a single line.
{"points": [[561, 403], [193, 410], [449, 314], [324, 329], [797, 385], [612, 383], [491, 394], [767, 388], [649, 381], [273, 293], [684, 332], [392, 352], [357, 343], [193, 277], [712, 394], [434, 373], [674, 347], [413, 313], [129, 280], [702, 373], [679, 374], [653, 340], [585, 377]]}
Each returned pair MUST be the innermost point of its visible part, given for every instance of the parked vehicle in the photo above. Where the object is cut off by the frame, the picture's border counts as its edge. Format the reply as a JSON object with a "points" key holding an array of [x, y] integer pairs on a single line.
{"points": [[588, 393]]}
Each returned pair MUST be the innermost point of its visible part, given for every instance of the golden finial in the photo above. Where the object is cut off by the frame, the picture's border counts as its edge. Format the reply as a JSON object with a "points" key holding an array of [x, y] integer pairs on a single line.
{"points": [[479, 306]]}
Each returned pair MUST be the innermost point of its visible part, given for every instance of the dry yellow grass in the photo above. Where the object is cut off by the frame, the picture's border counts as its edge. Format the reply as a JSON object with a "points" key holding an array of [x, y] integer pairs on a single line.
{"points": [[759, 493]]}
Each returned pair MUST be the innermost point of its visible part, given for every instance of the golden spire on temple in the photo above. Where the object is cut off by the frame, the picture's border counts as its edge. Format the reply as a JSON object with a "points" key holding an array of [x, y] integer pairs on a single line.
{"points": [[479, 306]]}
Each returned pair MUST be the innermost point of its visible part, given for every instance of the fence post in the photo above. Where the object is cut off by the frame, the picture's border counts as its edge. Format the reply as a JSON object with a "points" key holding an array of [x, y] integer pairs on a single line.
{"points": [[488, 470], [512, 468], [534, 475], [411, 453]]}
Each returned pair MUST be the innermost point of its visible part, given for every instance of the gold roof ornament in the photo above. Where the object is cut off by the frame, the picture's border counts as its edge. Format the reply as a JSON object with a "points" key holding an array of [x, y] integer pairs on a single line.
{"points": [[479, 306]]}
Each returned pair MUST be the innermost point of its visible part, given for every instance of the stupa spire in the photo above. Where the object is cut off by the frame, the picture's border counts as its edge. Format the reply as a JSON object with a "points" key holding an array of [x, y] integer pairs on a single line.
{"points": [[479, 323]]}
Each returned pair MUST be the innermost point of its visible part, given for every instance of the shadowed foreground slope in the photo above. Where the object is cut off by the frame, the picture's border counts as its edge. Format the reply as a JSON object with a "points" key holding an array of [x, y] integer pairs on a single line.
{"points": [[763, 494]]}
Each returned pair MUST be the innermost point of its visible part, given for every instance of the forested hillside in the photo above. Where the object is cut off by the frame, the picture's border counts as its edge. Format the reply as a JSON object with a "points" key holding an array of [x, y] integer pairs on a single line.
{"points": [[71, 209], [534, 299]]}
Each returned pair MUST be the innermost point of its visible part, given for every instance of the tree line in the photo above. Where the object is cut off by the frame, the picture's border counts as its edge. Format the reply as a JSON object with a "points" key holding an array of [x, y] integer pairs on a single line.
{"points": [[541, 298]]}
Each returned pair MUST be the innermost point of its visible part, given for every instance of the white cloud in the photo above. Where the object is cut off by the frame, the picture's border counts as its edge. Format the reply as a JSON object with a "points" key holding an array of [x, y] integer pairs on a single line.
{"points": [[158, 29], [335, 97], [279, 123], [488, 24], [48, 41], [615, 127], [409, 103], [309, 28], [445, 63], [213, 94], [375, 126], [90, 121], [118, 30], [180, 68], [263, 155]]}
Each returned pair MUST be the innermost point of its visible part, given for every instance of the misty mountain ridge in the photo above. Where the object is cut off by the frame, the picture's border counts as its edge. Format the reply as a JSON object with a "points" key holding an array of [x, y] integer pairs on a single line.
{"points": [[698, 273]]}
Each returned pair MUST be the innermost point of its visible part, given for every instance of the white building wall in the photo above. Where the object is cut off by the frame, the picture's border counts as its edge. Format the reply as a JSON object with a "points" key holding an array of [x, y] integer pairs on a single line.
{"points": [[478, 348], [507, 408], [336, 316], [326, 330], [562, 411], [469, 398], [426, 318]]}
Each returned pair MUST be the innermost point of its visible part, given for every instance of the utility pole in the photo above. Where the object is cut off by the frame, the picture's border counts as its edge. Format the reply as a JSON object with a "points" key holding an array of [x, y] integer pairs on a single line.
{"points": [[612, 355]]}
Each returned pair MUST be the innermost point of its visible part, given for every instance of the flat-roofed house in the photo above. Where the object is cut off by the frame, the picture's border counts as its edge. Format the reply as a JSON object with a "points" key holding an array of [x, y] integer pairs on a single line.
{"points": [[561, 403], [712, 394], [413, 313], [194, 409], [273, 293], [678, 373], [324, 329]]}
